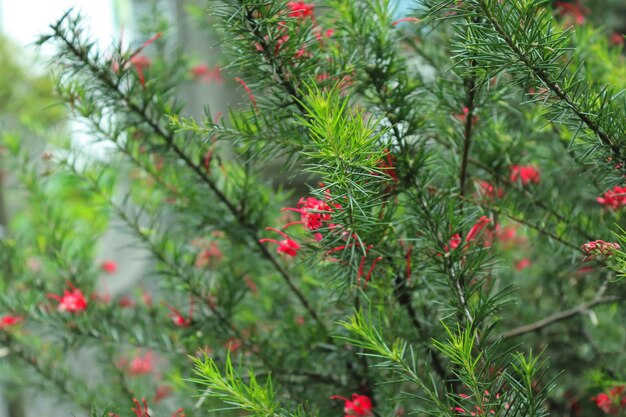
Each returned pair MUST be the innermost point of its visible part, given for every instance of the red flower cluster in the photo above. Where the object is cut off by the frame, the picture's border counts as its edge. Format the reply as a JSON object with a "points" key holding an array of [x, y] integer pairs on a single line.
{"points": [[526, 174], [614, 198], [300, 9], [72, 301], [599, 247], [313, 214], [359, 406], [612, 402], [288, 246]]}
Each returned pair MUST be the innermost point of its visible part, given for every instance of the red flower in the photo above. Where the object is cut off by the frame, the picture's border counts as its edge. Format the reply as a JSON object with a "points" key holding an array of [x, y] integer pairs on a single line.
{"points": [[141, 365], [247, 90], [599, 247], [574, 11], [110, 267], [139, 409], [526, 174], [523, 264], [287, 246], [477, 228], [604, 403], [359, 406], [180, 320], [463, 116], [612, 402], [10, 321], [486, 189], [72, 301], [613, 198], [140, 62], [300, 9], [233, 344], [455, 241], [312, 213], [205, 74], [405, 19], [617, 39], [210, 256]]}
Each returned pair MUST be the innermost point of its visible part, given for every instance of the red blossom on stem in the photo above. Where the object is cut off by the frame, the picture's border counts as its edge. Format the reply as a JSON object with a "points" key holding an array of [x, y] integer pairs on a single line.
{"points": [[454, 243], [614, 198], [313, 213], [477, 228], [526, 174], [72, 301], [358, 406], [180, 320], [247, 90], [288, 246], [206, 74], [233, 344], [473, 234], [405, 19], [488, 190], [612, 402], [599, 248], [300, 9]]}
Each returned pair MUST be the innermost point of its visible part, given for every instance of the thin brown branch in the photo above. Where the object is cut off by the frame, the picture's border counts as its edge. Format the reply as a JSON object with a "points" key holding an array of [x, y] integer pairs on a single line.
{"points": [[560, 316], [470, 86]]}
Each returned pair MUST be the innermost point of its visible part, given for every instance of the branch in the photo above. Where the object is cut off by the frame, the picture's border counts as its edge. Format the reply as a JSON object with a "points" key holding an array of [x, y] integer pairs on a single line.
{"points": [[403, 296], [470, 86], [545, 78], [560, 316], [169, 139]]}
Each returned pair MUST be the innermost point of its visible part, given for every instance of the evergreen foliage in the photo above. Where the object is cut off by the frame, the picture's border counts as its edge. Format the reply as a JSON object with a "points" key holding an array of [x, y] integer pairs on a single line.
{"points": [[464, 211]]}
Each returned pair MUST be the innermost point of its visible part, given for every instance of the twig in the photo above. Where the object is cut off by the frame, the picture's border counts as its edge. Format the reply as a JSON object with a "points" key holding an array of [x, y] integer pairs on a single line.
{"points": [[560, 316]]}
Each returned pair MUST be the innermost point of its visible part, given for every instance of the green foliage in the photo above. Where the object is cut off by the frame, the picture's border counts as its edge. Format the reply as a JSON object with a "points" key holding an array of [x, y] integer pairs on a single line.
{"points": [[450, 166], [249, 396]]}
